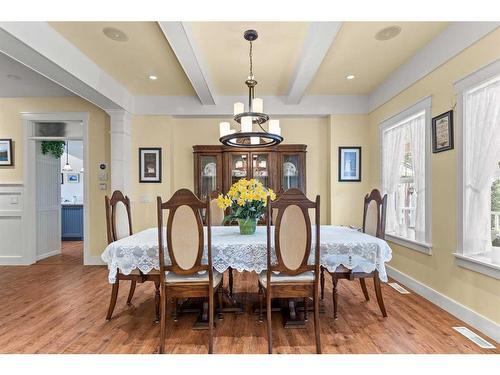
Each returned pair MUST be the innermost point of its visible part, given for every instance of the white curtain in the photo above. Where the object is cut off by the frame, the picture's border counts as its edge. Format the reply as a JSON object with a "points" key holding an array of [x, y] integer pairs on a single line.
{"points": [[416, 129], [482, 153], [393, 150]]}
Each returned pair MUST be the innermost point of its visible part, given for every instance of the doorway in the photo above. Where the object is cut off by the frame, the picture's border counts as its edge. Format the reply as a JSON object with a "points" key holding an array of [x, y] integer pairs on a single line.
{"points": [[56, 210]]}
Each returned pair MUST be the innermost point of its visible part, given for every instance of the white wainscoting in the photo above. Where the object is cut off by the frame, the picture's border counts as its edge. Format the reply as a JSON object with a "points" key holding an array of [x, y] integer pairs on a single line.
{"points": [[12, 246]]}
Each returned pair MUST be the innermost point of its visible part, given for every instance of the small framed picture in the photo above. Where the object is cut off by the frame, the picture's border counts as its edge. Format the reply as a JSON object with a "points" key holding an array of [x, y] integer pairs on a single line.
{"points": [[150, 164], [6, 152], [442, 132], [349, 164], [73, 178]]}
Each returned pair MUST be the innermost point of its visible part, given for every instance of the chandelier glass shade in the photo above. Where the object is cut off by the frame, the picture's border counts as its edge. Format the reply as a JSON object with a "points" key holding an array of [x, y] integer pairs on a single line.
{"points": [[252, 133]]}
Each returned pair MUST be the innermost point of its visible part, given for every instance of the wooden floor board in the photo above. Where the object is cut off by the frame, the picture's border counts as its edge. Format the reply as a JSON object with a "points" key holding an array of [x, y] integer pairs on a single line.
{"points": [[59, 306]]}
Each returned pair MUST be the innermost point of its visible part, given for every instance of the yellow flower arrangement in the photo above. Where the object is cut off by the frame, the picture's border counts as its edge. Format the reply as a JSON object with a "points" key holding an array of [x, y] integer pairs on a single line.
{"points": [[247, 199]]}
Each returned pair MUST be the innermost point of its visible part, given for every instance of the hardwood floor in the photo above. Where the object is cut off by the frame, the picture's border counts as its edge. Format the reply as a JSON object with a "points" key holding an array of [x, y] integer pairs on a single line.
{"points": [[59, 306], [71, 254]]}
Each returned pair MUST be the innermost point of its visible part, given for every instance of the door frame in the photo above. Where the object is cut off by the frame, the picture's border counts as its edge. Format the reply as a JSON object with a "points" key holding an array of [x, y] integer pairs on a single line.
{"points": [[29, 206]]}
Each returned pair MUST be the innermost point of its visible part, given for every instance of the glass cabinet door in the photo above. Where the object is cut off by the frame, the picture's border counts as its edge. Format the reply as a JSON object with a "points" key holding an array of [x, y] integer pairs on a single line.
{"points": [[260, 168], [239, 167], [290, 172], [208, 169]]}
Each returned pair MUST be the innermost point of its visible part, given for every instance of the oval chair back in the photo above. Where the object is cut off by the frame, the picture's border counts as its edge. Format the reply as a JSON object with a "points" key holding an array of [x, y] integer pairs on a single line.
{"points": [[292, 233], [118, 216], [185, 234], [374, 214]]}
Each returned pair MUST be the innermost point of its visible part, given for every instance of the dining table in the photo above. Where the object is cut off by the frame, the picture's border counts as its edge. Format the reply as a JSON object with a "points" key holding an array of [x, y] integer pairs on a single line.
{"points": [[339, 246]]}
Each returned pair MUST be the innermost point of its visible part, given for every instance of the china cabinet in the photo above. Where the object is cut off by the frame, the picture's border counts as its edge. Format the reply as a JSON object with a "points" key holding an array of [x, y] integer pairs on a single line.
{"points": [[281, 167]]}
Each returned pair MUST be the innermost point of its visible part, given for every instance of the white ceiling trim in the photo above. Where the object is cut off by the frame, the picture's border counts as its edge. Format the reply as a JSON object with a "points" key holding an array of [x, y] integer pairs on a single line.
{"points": [[181, 40], [311, 105], [453, 40], [41, 48], [320, 37]]}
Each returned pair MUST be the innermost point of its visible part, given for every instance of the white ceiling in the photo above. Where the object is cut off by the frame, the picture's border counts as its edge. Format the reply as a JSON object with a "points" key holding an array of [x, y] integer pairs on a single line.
{"points": [[29, 84]]}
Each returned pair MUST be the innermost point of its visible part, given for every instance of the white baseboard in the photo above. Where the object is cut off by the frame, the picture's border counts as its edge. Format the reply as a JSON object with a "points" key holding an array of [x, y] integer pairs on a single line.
{"points": [[479, 322], [14, 260], [48, 254], [93, 260]]}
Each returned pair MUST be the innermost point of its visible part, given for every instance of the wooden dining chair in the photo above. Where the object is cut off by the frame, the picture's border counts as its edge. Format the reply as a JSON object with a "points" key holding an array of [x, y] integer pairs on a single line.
{"points": [[374, 212], [119, 225], [291, 276], [186, 276]]}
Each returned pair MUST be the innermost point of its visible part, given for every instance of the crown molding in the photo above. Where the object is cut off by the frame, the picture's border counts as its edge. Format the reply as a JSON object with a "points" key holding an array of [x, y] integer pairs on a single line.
{"points": [[311, 105], [453, 40]]}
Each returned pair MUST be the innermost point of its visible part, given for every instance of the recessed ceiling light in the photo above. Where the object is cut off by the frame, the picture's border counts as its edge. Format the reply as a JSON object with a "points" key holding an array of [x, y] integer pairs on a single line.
{"points": [[152, 77], [13, 77], [388, 33], [350, 76], [115, 34]]}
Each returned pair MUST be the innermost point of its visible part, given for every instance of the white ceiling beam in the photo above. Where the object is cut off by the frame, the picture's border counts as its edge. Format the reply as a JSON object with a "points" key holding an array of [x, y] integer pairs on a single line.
{"points": [[42, 49], [449, 43], [181, 40], [311, 105], [320, 37]]}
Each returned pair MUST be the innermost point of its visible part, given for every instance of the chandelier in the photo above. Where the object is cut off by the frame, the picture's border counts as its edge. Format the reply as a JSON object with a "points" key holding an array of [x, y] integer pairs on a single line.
{"points": [[254, 117]]}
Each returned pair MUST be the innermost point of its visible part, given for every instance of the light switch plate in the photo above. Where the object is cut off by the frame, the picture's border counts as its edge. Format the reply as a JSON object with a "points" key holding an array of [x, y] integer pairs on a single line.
{"points": [[103, 176], [103, 186]]}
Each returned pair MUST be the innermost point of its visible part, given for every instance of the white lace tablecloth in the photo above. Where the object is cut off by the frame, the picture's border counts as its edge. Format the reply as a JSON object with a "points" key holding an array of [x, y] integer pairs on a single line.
{"points": [[339, 246]]}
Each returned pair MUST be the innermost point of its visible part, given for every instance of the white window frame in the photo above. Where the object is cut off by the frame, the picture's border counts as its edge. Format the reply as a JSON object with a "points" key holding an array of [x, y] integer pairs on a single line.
{"points": [[464, 85], [423, 105]]}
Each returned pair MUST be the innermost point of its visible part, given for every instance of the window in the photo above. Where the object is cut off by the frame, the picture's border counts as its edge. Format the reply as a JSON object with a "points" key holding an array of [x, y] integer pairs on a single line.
{"points": [[404, 142], [478, 171], [481, 170]]}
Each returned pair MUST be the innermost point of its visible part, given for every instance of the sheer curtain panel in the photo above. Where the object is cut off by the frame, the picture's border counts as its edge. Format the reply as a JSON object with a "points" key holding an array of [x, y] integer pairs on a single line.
{"points": [[482, 153]]}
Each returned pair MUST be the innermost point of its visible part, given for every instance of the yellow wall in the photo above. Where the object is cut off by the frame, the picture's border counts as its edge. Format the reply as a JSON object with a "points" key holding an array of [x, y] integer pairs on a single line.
{"points": [[177, 137], [347, 197], [11, 127], [439, 271]]}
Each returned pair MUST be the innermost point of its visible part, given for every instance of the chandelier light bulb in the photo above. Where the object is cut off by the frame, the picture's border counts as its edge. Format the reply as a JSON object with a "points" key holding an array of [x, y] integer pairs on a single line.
{"points": [[239, 108], [258, 105], [274, 127], [246, 124], [224, 128]]}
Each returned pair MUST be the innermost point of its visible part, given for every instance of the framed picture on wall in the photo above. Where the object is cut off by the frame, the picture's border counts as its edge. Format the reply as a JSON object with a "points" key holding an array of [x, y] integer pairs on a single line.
{"points": [[349, 164], [150, 164], [73, 178], [442, 132], [5, 152]]}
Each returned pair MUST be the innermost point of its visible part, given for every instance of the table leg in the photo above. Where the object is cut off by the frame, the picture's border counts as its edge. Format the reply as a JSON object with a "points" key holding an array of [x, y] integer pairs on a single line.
{"points": [[290, 317]]}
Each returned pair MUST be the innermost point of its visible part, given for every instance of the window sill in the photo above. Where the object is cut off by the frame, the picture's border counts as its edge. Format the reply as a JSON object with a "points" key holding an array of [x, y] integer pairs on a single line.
{"points": [[478, 264], [414, 245]]}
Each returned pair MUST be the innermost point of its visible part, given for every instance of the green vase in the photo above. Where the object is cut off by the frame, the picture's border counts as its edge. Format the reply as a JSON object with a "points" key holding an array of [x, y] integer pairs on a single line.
{"points": [[247, 226]]}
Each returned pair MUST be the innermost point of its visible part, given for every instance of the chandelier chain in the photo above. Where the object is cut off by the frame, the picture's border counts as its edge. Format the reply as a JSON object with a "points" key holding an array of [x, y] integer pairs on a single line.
{"points": [[251, 63]]}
